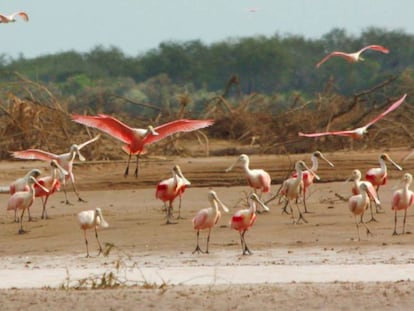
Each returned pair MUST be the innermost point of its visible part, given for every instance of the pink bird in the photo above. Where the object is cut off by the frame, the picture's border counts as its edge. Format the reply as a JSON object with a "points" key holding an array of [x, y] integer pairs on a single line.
{"points": [[207, 218], [354, 57], [256, 178], [359, 132], [244, 219], [12, 18], [359, 203], [402, 199], [51, 183], [309, 176], [377, 176], [169, 189], [135, 139], [65, 160], [291, 188], [23, 200], [92, 219], [356, 178]]}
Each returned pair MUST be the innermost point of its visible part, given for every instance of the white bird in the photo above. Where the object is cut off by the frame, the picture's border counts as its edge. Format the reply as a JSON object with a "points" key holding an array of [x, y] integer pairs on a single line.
{"points": [[92, 219], [12, 18]]}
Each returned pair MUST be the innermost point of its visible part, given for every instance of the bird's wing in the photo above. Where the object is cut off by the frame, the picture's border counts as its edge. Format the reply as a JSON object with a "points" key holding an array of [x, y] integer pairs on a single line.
{"points": [[34, 154], [89, 141], [375, 48], [3, 19], [336, 53], [338, 133], [390, 108], [182, 125], [107, 124]]}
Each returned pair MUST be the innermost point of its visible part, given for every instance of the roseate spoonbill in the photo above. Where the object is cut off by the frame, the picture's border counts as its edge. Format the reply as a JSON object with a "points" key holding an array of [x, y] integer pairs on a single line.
{"points": [[51, 183], [291, 188], [257, 178], [359, 132], [207, 218], [65, 160], [136, 139], [12, 18], [353, 57], [377, 176], [356, 178], [308, 177], [24, 199], [92, 219], [358, 203], [402, 199], [169, 189], [20, 184], [243, 219]]}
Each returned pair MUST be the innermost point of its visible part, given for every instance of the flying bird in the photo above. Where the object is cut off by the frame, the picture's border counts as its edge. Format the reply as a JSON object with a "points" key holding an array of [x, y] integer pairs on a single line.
{"points": [[65, 160], [402, 199], [354, 57], [135, 139], [92, 219], [207, 218], [12, 18], [359, 132]]}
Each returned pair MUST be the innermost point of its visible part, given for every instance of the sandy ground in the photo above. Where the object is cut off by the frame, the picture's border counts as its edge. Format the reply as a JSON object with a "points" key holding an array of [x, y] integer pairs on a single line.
{"points": [[318, 265]]}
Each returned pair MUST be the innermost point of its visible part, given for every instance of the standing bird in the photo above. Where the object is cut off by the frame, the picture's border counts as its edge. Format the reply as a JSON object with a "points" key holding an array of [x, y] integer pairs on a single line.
{"points": [[65, 160], [23, 200], [402, 199], [359, 132], [207, 218], [359, 203], [356, 178], [12, 18], [291, 188], [353, 57], [256, 178], [21, 184], [51, 183], [377, 176], [92, 219], [243, 219], [309, 176], [169, 189], [135, 139]]}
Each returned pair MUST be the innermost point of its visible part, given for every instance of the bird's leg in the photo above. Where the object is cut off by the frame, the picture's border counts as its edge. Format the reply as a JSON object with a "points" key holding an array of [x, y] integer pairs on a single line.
{"points": [[29, 217], [300, 215], [198, 249], [86, 243], [372, 213], [127, 168], [99, 243], [179, 209], [44, 213], [242, 242], [137, 167], [284, 209], [16, 218], [169, 214], [246, 250], [21, 231], [76, 192], [405, 218], [357, 226], [395, 223], [208, 240], [366, 227]]}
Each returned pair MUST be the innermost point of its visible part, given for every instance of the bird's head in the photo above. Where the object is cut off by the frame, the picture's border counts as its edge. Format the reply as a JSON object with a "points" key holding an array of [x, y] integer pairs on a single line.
{"points": [[212, 197]]}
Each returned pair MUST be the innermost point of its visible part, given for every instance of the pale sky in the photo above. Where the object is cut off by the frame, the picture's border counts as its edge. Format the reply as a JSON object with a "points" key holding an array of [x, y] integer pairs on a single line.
{"points": [[136, 26]]}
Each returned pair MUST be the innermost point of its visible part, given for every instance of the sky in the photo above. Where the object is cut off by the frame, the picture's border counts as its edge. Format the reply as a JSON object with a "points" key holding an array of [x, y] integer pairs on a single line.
{"points": [[137, 26]]}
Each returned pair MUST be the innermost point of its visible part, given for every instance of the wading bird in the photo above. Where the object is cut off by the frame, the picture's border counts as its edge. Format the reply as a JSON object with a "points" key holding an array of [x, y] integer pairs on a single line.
{"points": [[291, 188], [12, 18], [207, 218], [243, 219], [356, 178], [359, 132], [92, 219], [256, 178], [353, 57], [402, 199], [169, 189], [51, 183], [65, 160], [377, 176], [135, 139], [23, 200], [358, 204], [308, 176]]}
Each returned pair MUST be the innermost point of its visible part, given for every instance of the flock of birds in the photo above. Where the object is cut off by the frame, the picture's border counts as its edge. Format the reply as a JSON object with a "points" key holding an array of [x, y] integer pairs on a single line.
{"points": [[24, 190]]}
